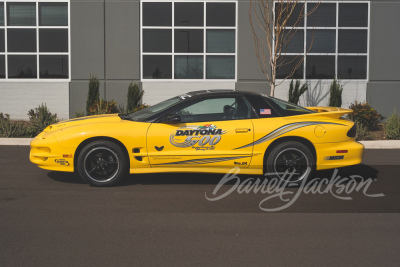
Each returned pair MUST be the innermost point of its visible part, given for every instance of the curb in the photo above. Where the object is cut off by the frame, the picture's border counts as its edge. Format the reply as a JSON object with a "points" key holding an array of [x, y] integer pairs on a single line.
{"points": [[15, 141], [385, 144]]}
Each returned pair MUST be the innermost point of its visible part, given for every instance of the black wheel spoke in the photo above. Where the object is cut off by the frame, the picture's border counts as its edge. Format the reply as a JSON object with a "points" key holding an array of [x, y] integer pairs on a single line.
{"points": [[294, 162], [101, 164], [93, 169]]}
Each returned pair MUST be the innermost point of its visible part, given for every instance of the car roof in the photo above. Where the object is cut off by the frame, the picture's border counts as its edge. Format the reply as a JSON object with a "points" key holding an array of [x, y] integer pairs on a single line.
{"points": [[221, 92]]}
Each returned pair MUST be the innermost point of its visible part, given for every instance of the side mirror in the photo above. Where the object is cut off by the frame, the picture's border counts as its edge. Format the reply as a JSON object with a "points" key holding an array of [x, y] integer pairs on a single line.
{"points": [[173, 119]]}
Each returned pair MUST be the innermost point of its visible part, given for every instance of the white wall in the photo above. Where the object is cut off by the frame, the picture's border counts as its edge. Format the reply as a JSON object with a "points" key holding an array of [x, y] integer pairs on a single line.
{"points": [[318, 92], [155, 92], [16, 98]]}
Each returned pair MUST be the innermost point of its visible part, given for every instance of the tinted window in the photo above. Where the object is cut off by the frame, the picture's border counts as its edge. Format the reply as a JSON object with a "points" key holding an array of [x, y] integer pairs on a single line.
{"points": [[188, 67], [320, 67], [21, 14], [296, 17], [53, 14], [353, 41], [21, 40], [221, 14], [53, 67], [189, 41], [216, 109], [157, 40], [288, 109], [154, 110], [22, 67], [157, 14], [189, 14], [323, 16], [220, 41], [1, 14], [261, 107], [220, 67], [2, 40], [323, 41], [53, 40], [2, 66], [353, 15], [157, 67], [295, 41], [287, 64], [352, 67]]}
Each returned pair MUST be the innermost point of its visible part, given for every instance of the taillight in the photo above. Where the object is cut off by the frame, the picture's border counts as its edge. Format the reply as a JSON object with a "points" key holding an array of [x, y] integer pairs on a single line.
{"points": [[352, 132]]}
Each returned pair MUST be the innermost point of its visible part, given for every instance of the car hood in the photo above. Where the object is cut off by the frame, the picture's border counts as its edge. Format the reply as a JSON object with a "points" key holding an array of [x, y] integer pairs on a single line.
{"points": [[107, 118]]}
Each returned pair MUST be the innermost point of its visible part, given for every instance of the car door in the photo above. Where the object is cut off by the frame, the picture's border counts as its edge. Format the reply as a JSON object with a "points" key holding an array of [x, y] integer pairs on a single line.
{"points": [[209, 132]]}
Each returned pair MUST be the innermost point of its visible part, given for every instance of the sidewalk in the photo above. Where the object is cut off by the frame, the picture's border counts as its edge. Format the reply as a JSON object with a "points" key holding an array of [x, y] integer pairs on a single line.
{"points": [[386, 144]]}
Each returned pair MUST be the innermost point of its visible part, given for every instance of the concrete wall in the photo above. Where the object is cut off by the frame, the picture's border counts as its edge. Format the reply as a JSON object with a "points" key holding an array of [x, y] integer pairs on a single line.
{"points": [[104, 42], [19, 97], [155, 92], [383, 91]]}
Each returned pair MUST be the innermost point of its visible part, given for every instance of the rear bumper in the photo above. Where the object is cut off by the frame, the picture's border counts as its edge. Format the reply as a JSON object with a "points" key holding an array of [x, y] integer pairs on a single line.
{"points": [[48, 154], [328, 158]]}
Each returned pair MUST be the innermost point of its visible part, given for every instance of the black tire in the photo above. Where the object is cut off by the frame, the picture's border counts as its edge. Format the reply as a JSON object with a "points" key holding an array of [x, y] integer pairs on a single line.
{"points": [[293, 157], [102, 163]]}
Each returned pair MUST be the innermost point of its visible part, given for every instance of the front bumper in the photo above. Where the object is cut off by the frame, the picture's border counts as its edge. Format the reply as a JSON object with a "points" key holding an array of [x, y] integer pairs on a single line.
{"points": [[48, 154], [329, 158]]}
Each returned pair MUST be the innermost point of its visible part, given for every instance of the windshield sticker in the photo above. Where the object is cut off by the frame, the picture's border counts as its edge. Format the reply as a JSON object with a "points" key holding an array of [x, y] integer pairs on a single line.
{"points": [[198, 137], [265, 111], [184, 96]]}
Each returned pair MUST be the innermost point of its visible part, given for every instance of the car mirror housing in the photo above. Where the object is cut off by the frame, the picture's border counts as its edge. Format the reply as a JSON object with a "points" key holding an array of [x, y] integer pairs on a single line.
{"points": [[173, 119]]}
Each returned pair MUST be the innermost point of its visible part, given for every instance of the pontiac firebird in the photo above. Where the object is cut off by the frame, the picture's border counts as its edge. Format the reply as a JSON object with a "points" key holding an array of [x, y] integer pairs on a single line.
{"points": [[208, 131]]}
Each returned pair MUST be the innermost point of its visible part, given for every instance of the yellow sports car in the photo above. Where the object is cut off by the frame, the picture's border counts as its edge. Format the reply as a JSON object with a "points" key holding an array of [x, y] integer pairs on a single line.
{"points": [[208, 131]]}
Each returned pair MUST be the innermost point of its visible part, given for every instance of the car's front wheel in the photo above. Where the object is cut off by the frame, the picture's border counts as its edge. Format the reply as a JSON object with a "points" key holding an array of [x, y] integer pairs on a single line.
{"points": [[102, 163], [291, 162]]}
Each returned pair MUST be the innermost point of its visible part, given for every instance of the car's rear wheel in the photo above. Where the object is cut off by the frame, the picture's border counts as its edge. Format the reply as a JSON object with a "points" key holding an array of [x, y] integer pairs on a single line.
{"points": [[291, 162], [102, 163]]}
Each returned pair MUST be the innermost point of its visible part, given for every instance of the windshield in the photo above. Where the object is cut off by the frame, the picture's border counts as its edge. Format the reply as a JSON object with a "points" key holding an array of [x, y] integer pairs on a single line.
{"points": [[146, 113], [290, 109]]}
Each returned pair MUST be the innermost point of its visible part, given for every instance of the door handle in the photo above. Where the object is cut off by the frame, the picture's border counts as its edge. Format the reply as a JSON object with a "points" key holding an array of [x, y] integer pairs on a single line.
{"points": [[242, 130]]}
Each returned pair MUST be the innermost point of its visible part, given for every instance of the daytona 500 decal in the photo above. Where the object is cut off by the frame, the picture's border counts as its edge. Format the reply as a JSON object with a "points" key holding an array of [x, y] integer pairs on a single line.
{"points": [[198, 137]]}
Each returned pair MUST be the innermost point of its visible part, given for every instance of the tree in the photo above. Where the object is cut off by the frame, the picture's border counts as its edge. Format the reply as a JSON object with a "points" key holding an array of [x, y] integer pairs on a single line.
{"points": [[93, 94], [295, 91], [134, 97], [335, 96], [277, 23]]}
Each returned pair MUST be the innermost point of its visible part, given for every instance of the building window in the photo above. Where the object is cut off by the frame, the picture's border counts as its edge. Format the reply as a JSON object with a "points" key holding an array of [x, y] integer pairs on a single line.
{"points": [[193, 40], [340, 34], [34, 40]]}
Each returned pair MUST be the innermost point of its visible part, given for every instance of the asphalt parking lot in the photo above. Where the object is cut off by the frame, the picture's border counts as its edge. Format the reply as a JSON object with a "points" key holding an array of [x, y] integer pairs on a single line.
{"points": [[53, 219]]}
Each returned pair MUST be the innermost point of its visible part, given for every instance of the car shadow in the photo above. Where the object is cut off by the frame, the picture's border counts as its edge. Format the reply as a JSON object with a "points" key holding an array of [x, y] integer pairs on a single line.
{"points": [[65, 177], [362, 171]]}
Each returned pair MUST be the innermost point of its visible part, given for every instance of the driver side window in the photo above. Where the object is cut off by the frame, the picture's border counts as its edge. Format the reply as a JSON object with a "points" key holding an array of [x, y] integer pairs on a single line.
{"points": [[215, 109]]}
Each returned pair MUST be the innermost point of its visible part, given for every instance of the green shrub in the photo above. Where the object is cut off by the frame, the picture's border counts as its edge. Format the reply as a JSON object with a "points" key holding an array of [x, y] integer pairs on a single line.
{"points": [[122, 109], [392, 127], [365, 114], [12, 128], [93, 94], [140, 107], [296, 91], [362, 132], [336, 90], [40, 118], [104, 107], [134, 97], [79, 114]]}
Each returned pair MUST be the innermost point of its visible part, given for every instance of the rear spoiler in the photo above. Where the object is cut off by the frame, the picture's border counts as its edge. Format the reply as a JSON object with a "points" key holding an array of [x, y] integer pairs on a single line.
{"points": [[331, 112]]}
